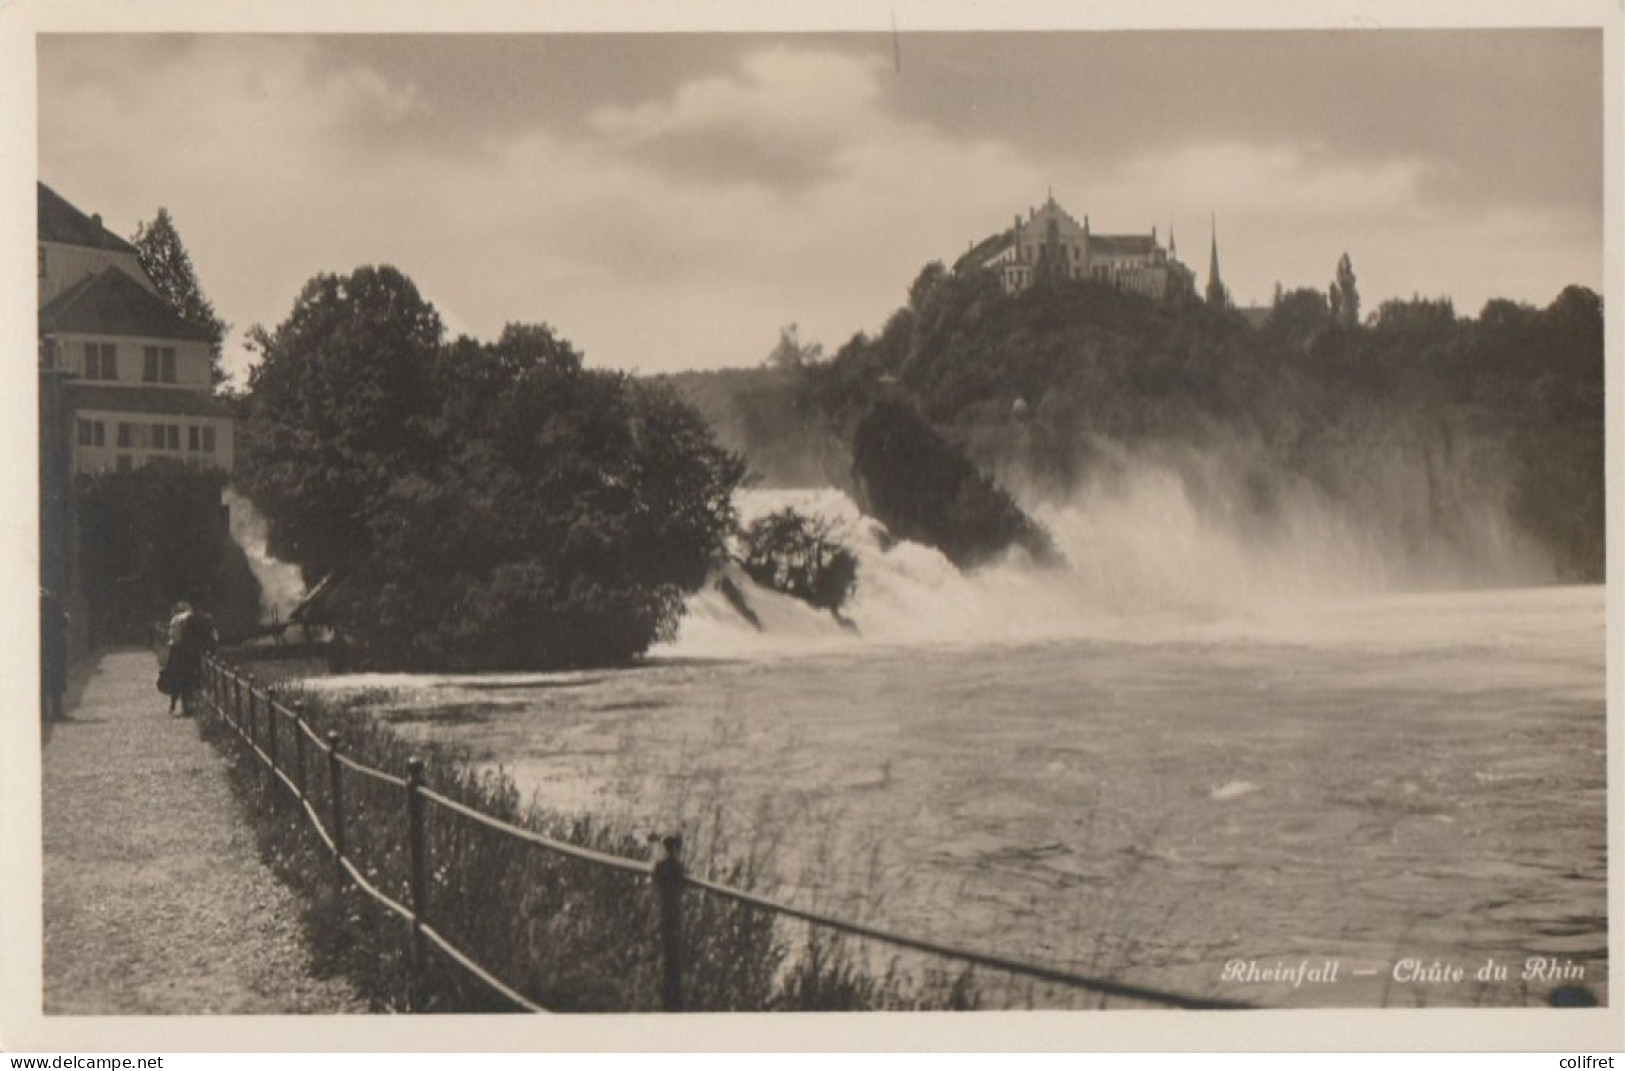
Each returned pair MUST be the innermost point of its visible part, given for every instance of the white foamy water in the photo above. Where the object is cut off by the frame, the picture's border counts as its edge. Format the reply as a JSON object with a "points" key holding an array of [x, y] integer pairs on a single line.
{"points": [[281, 584]]}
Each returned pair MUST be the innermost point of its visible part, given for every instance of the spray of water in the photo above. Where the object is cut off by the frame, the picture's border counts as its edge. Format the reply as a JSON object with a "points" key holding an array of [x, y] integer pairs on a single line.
{"points": [[1154, 540], [281, 585]]}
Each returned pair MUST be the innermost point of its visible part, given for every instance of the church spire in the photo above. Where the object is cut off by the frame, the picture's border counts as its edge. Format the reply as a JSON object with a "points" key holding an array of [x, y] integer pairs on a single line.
{"points": [[1216, 295]]}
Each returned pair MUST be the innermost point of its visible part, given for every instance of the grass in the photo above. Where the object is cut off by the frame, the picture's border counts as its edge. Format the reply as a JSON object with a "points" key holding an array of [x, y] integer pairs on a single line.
{"points": [[569, 935]]}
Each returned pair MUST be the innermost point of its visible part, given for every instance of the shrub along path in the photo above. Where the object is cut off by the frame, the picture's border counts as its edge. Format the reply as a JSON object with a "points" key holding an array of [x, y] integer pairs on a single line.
{"points": [[156, 900]]}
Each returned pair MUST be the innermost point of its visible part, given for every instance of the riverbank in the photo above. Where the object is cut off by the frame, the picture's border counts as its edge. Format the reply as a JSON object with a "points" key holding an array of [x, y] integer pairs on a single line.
{"points": [[155, 898]]}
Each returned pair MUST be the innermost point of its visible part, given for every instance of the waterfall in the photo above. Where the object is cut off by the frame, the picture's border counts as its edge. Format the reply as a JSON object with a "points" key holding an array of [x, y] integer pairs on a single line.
{"points": [[1148, 542], [281, 584]]}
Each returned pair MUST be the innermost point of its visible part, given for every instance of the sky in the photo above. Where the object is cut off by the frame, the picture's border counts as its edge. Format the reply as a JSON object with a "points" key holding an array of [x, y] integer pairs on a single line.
{"points": [[669, 201]]}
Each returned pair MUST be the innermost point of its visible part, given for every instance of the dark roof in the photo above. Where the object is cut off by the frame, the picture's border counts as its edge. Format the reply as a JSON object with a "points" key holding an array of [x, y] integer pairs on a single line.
{"points": [[59, 221], [172, 401], [111, 303], [984, 250], [1122, 245]]}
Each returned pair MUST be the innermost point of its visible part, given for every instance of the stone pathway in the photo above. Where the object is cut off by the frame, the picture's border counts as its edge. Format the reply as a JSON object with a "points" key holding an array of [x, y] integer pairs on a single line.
{"points": [[156, 901]]}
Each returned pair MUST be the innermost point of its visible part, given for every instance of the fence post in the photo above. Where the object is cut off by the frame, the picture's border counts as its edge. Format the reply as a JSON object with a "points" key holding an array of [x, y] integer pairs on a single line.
{"points": [[299, 749], [270, 735], [417, 859], [236, 701], [335, 790], [253, 716], [668, 883]]}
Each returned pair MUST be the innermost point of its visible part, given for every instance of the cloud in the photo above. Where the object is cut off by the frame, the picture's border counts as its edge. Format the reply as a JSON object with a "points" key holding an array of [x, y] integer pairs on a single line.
{"points": [[684, 228], [781, 119]]}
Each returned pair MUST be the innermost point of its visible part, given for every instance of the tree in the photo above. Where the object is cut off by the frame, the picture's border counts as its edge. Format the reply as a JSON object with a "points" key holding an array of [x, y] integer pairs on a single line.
{"points": [[164, 257], [340, 403], [1344, 296], [791, 552], [485, 505], [790, 354], [925, 284]]}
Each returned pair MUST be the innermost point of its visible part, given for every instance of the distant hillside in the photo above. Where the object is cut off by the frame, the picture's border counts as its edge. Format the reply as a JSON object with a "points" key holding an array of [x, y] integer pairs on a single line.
{"points": [[1425, 425]]}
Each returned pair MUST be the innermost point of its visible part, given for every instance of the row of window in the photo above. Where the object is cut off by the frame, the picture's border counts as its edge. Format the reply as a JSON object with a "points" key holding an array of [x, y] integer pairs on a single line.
{"points": [[199, 437], [157, 362], [126, 463]]}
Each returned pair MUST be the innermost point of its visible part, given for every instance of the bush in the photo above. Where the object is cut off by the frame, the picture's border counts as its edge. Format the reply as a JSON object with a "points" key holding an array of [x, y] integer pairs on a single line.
{"points": [[156, 535], [795, 554]]}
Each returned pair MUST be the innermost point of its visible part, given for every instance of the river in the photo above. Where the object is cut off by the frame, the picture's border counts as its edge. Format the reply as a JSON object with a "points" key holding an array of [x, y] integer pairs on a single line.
{"points": [[1339, 798]]}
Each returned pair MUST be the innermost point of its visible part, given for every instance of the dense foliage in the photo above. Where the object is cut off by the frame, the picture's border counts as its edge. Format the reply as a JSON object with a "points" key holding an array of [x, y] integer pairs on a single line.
{"points": [[1423, 424], [156, 535], [163, 256], [482, 505], [924, 489], [799, 556]]}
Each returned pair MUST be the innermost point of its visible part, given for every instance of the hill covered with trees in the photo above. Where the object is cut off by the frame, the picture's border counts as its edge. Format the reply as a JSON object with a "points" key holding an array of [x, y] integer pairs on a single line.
{"points": [[1427, 425]]}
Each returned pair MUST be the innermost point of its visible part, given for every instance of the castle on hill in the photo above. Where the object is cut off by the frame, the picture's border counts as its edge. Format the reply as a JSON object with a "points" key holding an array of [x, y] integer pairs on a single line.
{"points": [[1052, 245]]}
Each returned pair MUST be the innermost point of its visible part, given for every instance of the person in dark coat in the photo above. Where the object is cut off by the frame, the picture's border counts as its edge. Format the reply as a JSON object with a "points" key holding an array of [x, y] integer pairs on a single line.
{"points": [[191, 636], [53, 654]]}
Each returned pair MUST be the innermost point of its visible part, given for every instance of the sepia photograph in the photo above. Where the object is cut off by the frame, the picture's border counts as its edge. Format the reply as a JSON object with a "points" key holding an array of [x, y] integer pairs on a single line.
{"points": [[883, 514]]}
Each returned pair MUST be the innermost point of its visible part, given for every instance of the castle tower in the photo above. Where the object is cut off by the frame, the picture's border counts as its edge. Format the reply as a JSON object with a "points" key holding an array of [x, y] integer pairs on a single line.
{"points": [[1216, 294]]}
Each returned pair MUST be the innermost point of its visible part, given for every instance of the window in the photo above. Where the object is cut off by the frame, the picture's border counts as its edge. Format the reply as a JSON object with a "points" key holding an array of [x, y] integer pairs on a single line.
{"points": [[124, 435], [98, 432], [192, 438], [158, 364], [84, 433], [47, 353], [208, 439], [174, 436], [124, 464], [157, 436], [101, 360]]}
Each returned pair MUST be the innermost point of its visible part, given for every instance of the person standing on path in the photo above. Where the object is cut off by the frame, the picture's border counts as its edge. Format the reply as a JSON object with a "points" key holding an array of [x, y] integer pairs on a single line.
{"points": [[191, 635]]}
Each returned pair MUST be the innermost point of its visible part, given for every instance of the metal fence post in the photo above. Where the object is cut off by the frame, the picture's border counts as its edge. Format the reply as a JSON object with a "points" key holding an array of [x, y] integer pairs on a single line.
{"points": [[335, 790], [253, 716], [668, 883], [418, 861], [237, 701], [299, 750], [271, 719]]}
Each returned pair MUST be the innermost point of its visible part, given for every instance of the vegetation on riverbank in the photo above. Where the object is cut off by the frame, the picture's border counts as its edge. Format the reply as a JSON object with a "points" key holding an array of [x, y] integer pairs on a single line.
{"points": [[569, 935]]}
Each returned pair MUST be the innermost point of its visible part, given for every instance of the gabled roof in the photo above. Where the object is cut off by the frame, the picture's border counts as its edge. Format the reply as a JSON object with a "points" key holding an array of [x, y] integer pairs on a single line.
{"points": [[1122, 245], [60, 222], [111, 303], [163, 401], [985, 250]]}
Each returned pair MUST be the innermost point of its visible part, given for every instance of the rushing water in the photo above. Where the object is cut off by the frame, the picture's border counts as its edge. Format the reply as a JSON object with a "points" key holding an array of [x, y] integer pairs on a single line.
{"points": [[1162, 793]]}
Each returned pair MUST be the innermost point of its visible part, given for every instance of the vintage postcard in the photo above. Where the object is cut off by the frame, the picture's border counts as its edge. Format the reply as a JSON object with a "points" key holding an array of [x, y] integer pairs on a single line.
{"points": [[1042, 529]]}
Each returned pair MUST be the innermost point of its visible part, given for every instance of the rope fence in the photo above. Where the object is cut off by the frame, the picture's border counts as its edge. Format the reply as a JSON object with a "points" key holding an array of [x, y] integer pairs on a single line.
{"points": [[376, 827]]}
